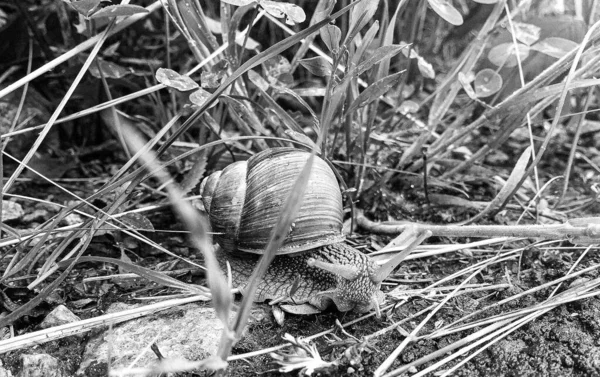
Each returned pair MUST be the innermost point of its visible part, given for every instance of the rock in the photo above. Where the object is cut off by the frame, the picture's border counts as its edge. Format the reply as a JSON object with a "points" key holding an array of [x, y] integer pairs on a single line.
{"points": [[34, 112], [59, 316], [40, 365], [3, 371], [512, 347], [190, 331], [72, 219], [11, 210], [36, 215]]}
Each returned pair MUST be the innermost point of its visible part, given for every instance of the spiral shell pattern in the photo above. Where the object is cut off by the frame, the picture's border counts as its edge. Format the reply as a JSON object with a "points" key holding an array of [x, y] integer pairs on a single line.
{"points": [[244, 202]]}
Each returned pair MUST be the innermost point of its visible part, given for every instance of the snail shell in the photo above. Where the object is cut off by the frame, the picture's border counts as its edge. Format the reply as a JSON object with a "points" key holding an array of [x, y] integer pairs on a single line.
{"points": [[244, 202]]}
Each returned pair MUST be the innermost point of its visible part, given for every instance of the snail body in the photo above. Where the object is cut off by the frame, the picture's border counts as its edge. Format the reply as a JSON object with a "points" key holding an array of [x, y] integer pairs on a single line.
{"points": [[290, 279], [314, 265]]}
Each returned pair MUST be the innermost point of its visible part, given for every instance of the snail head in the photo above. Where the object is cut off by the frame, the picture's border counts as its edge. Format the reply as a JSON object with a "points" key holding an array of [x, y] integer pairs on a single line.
{"points": [[356, 289]]}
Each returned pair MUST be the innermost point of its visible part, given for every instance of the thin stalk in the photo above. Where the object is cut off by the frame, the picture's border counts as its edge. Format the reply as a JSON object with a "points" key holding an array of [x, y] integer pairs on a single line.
{"points": [[522, 78], [394, 355], [515, 297], [567, 173], [528, 231]]}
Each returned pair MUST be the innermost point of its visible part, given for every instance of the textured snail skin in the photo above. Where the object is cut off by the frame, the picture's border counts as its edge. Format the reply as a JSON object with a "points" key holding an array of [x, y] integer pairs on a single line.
{"points": [[312, 285]]}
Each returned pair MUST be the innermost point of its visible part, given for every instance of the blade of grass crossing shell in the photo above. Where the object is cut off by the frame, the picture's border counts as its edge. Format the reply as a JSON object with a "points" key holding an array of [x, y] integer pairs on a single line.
{"points": [[221, 295], [286, 218]]}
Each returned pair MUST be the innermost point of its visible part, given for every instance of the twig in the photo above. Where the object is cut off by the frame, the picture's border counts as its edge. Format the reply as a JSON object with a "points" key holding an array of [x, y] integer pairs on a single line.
{"points": [[566, 230]]}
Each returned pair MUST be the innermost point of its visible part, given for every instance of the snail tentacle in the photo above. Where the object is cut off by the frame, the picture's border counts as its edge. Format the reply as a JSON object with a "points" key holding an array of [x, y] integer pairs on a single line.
{"points": [[347, 272]]}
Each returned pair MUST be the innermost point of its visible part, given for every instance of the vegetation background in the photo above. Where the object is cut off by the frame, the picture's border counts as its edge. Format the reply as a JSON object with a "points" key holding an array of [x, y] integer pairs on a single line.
{"points": [[475, 120]]}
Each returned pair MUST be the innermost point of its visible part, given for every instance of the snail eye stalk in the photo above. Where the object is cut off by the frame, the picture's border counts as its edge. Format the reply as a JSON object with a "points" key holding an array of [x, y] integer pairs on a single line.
{"points": [[347, 272]]}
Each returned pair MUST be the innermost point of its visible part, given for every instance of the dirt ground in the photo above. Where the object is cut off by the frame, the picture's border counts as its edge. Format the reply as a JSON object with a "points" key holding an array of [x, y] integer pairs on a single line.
{"points": [[563, 342]]}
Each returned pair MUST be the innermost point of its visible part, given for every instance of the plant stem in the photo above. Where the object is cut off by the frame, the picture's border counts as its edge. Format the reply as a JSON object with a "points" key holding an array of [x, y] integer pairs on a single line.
{"points": [[590, 229]]}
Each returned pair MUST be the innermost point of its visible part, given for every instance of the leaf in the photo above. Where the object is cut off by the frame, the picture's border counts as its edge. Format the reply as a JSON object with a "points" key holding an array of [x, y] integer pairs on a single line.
{"points": [[331, 36], [487, 82], [513, 180], [361, 14], [239, 3], [365, 42], [278, 68], [555, 46], [285, 118], [240, 39], [200, 96], [526, 33], [84, 7], [505, 55], [442, 200], [258, 80], [301, 101], [125, 259], [408, 107], [243, 115], [466, 85], [293, 13], [174, 80], [374, 91], [109, 69], [446, 10], [193, 176], [378, 55], [213, 77], [425, 68], [297, 136], [137, 221], [111, 50], [119, 10], [315, 91], [318, 66], [409, 52], [387, 39]]}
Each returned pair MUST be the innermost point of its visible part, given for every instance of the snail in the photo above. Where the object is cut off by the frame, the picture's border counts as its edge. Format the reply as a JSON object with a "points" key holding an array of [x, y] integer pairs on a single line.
{"points": [[314, 265]]}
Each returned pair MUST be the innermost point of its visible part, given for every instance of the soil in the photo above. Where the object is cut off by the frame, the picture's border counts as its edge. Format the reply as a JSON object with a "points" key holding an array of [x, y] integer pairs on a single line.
{"points": [[563, 342]]}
